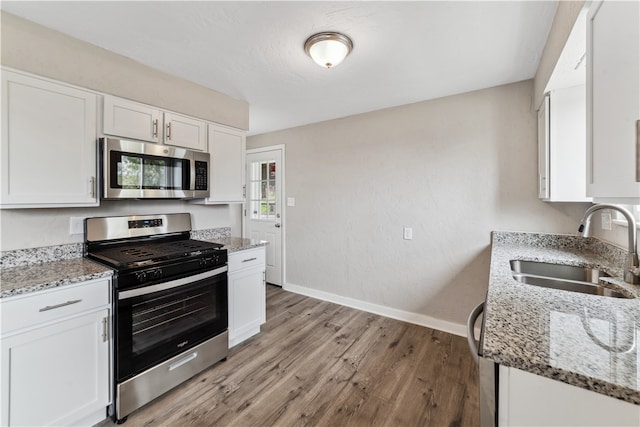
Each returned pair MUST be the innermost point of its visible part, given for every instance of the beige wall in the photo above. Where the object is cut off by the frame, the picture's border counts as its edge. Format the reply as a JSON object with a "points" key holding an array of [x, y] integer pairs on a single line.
{"points": [[454, 169], [31, 47]]}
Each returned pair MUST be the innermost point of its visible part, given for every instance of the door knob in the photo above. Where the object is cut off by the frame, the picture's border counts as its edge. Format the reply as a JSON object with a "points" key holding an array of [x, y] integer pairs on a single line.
{"points": [[277, 225]]}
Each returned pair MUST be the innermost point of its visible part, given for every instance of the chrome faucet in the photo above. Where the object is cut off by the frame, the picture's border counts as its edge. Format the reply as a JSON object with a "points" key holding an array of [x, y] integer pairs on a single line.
{"points": [[632, 271]]}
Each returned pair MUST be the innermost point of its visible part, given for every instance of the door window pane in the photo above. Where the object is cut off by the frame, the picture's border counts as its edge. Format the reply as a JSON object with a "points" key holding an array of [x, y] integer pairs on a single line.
{"points": [[262, 185]]}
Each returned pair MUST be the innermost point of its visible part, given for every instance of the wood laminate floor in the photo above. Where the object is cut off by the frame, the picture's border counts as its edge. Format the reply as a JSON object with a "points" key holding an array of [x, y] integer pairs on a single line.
{"points": [[321, 364]]}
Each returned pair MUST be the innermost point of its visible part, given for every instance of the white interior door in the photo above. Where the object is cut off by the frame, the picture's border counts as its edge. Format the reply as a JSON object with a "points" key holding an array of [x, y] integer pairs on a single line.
{"points": [[263, 212]]}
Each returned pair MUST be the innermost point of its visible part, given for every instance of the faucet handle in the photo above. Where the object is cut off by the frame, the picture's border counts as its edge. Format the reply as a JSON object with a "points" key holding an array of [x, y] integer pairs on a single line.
{"points": [[633, 275]]}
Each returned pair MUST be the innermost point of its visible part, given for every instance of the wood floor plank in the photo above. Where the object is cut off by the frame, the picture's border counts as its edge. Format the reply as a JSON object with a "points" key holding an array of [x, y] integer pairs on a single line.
{"points": [[321, 364]]}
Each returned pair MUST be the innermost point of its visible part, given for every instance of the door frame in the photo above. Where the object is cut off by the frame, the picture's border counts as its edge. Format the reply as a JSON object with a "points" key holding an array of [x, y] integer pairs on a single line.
{"points": [[283, 210]]}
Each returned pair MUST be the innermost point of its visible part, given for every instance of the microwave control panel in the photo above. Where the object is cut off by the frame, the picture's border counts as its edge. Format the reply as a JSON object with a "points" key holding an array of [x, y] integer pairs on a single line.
{"points": [[202, 179]]}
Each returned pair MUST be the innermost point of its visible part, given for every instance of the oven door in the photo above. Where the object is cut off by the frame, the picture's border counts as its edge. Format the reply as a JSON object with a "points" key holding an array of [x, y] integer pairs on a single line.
{"points": [[159, 321]]}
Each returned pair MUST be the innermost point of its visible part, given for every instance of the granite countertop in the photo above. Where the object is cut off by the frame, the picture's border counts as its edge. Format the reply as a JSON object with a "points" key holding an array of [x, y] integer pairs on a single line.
{"points": [[584, 340], [37, 277], [236, 244], [24, 271]]}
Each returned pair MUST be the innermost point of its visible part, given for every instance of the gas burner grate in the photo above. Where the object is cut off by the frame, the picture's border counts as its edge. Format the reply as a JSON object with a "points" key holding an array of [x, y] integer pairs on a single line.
{"points": [[137, 253], [154, 252]]}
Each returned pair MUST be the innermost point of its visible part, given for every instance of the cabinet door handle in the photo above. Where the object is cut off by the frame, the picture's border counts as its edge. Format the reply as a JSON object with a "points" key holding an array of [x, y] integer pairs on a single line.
{"points": [[169, 130], [105, 329], [638, 151], [53, 307], [92, 187], [155, 128], [249, 259]]}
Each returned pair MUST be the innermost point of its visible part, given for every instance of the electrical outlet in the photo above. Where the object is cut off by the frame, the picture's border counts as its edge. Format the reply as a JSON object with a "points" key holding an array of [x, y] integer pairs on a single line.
{"points": [[605, 220], [76, 225], [407, 233]]}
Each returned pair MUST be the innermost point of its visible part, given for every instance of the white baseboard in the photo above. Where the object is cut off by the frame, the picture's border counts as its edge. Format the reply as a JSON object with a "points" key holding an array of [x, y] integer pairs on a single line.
{"points": [[405, 316]]}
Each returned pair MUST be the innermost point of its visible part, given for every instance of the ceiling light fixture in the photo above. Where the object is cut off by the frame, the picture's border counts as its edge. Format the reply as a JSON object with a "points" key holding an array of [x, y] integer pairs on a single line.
{"points": [[328, 49]]}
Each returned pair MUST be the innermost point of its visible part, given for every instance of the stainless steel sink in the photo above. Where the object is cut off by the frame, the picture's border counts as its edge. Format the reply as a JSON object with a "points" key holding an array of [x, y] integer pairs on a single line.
{"points": [[566, 285], [557, 271], [563, 277]]}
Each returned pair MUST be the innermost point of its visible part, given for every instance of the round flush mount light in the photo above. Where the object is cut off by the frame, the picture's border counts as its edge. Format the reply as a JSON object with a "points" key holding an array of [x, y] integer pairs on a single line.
{"points": [[328, 49]]}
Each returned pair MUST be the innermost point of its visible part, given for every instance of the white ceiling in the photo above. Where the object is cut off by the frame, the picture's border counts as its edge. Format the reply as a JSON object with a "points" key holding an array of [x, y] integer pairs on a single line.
{"points": [[404, 52]]}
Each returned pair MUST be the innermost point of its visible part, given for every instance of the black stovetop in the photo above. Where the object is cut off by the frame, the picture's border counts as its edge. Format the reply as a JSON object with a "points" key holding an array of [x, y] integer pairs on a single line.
{"points": [[133, 255]]}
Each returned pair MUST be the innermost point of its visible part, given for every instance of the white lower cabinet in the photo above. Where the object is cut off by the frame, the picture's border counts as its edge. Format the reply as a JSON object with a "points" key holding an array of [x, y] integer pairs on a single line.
{"points": [[526, 399], [247, 294], [55, 359]]}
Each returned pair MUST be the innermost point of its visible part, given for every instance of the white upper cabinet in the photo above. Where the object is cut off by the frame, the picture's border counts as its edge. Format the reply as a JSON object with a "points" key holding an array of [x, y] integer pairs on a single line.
{"points": [[613, 101], [562, 124], [131, 119], [562, 140], [183, 131], [49, 133], [227, 149]]}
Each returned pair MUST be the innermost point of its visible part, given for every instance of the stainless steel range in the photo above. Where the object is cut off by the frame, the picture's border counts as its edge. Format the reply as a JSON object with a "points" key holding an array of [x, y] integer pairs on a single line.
{"points": [[170, 303]]}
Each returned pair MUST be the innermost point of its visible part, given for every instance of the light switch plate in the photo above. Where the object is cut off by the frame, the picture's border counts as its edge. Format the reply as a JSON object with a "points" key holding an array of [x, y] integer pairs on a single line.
{"points": [[291, 201], [407, 233]]}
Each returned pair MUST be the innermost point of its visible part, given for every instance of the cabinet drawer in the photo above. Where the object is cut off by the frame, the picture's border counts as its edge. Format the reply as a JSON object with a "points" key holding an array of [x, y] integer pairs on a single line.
{"points": [[246, 259], [46, 306]]}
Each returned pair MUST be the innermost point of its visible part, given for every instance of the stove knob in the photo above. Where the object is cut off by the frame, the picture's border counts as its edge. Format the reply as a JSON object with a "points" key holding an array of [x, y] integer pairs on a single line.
{"points": [[157, 274], [141, 276]]}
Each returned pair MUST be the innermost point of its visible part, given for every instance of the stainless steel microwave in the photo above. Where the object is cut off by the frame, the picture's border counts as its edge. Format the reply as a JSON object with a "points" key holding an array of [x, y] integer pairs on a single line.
{"points": [[143, 170]]}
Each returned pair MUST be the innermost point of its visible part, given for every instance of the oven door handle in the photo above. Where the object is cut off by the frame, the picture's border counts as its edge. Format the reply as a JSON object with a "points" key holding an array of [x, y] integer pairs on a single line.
{"points": [[171, 284], [474, 346]]}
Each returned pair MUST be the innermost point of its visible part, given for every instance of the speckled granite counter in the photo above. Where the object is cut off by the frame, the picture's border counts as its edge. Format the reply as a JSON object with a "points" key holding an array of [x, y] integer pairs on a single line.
{"points": [[35, 269], [235, 244], [584, 340], [32, 278]]}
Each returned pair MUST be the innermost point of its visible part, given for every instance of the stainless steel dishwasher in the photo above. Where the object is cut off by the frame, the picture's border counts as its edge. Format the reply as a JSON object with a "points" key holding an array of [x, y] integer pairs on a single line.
{"points": [[487, 371]]}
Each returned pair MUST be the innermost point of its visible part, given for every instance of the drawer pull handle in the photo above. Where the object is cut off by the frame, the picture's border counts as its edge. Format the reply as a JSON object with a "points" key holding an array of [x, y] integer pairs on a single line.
{"points": [[181, 362], [53, 307], [249, 259]]}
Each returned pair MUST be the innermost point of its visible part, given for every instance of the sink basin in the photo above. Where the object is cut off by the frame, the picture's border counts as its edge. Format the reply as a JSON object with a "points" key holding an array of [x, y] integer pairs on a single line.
{"points": [[557, 271], [564, 277], [566, 285]]}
